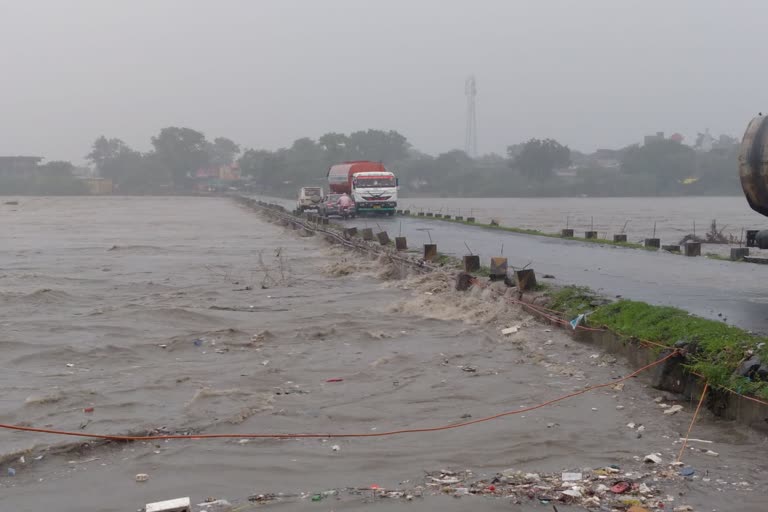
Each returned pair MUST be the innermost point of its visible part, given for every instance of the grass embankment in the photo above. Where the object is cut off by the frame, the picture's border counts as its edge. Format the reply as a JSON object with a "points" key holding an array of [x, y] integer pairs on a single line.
{"points": [[715, 348], [536, 232]]}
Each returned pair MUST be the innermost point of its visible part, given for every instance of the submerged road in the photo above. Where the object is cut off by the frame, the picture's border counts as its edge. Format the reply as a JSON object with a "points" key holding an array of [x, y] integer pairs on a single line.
{"points": [[702, 286]]}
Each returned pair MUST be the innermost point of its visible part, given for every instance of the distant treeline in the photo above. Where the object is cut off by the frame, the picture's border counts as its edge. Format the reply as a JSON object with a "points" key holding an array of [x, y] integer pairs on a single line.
{"points": [[533, 168]]}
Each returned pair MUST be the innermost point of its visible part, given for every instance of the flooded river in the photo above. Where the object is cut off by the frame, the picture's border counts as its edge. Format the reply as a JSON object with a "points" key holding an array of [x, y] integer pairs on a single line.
{"points": [[194, 315], [673, 217]]}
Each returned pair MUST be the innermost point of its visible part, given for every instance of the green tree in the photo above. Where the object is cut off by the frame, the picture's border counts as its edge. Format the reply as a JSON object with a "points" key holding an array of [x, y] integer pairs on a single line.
{"points": [[222, 152], [335, 146], [538, 159], [57, 168], [668, 161], [103, 152], [182, 151], [377, 145]]}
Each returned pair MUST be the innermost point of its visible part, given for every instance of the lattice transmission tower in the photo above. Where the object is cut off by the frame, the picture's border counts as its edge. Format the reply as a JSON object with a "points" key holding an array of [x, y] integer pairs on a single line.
{"points": [[470, 135]]}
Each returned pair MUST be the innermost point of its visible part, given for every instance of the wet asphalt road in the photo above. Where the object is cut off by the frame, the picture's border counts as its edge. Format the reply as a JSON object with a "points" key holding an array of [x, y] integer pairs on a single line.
{"points": [[720, 290]]}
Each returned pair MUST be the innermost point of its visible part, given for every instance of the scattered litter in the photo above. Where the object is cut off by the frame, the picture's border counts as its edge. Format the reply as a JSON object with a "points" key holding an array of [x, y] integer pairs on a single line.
{"points": [[711, 453], [336, 448], [70, 365], [684, 508], [619, 387], [573, 493], [199, 342], [654, 458], [335, 380], [469, 369], [88, 410], [141, 477], [572, 477], [687, 472], [176, 505], [510, 330], [620, 487], [576, 321], [22, 460], [658, 400], [637, 508], [265, 362], [630, 425], [674, 409], [619, 407], [215, 506], [11, 472], [692, 440]]}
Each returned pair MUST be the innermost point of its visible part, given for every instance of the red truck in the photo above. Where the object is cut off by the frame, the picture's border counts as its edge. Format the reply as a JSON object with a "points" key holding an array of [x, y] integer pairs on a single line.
{"points": [[370, 185]]}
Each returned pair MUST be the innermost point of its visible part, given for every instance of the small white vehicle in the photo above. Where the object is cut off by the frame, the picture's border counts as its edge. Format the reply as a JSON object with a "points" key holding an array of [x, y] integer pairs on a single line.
{"points": [[310, 198]]}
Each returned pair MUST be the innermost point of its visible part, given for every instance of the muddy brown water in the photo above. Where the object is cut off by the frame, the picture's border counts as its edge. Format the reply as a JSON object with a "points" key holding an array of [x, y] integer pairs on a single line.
{"points": [[194, 314]]}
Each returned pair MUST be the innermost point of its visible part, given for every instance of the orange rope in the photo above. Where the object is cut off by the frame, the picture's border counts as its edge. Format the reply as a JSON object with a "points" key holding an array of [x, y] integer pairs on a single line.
{"points": [[331, 435], [693, 420]]}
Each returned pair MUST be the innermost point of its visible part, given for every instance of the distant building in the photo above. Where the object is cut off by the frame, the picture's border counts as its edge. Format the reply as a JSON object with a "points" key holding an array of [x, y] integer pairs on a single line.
{"points": [[98, 186], [607, 158], [19, 166], [653, 138], [705, 141]]}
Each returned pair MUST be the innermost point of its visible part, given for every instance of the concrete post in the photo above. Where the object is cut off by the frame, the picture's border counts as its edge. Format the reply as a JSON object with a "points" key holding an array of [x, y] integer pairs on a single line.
{"points": [[430, 252], [383, 238], [438, 215], [447, 217], [430, 214], [406, 212], [752, 237], [459, 217], [738, 253], [471, 263], [399, 212], [653, 243], [590, 235], [367, 234], [526, 279], [693, 249], [400, 243], [498, 267], [352, 231], [420, 214], [470, 219], [566, 233], [621, 237], [671, 248]]}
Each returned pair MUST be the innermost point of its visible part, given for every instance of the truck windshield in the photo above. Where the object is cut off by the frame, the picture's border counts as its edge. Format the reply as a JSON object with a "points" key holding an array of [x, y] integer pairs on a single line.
{"points": [[374, 182]]}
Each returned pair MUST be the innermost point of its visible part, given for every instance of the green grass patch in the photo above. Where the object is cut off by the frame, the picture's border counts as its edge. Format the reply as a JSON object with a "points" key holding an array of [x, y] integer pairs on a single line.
{"points": [[572, 300], [716, 349]]}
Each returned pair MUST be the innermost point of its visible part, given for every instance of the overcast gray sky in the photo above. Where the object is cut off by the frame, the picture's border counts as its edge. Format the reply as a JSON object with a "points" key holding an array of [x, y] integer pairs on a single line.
{"points": [[591, 73]]}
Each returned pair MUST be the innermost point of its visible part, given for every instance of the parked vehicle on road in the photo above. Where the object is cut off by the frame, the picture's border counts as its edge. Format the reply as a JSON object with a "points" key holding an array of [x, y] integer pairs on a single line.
{"points": [[330, 207], [370, 185], [310, 198]]}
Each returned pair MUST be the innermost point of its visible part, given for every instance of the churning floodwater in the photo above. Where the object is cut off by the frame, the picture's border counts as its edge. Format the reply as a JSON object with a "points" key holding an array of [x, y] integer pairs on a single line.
{"points": [[195, 315]]}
